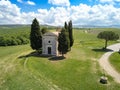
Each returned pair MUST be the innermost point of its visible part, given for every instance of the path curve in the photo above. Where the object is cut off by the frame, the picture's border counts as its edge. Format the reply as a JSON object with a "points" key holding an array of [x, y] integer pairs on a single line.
{"points": [[105, 64]]}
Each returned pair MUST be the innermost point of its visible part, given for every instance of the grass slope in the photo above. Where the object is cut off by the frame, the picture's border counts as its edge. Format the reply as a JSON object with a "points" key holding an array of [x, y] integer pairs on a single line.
{"points": [[79, 71], [115, 61]]}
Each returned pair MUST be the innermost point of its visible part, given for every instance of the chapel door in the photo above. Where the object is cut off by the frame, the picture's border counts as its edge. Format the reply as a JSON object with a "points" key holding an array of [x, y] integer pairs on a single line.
{"points": [[49, 50]]}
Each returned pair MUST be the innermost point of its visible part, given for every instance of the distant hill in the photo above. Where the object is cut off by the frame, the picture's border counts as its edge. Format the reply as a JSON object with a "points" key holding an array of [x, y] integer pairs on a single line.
{"points": [[51, 26], [23, 25], [92, 26], [13, 25]]}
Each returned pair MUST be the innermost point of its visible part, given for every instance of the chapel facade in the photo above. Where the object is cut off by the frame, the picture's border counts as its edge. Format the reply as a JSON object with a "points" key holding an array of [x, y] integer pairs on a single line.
{"points": [[50, 43]]}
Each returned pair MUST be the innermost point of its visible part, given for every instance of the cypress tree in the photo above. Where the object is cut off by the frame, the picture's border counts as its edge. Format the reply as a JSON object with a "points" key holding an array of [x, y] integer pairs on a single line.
{"points": [[66, 26], [63, 42], [67, 34], [35, 35], [70, 33]]}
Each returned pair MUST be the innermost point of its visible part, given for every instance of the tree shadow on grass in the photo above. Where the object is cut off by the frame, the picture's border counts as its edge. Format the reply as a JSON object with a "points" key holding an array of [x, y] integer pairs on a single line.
{"points": [[34, 54], [102, 50], [56, 58], [49, 57]]}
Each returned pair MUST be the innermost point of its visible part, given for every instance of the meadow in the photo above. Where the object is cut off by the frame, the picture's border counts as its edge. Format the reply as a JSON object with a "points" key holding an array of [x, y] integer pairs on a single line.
{"points": [[115, 61], [80, 70]]}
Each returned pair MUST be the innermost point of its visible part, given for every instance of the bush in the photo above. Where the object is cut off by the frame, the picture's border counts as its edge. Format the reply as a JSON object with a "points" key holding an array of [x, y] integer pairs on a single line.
{"points": [[10, 41], [14, 35]]}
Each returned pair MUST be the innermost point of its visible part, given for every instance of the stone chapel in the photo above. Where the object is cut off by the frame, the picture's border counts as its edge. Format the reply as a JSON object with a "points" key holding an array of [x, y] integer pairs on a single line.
{"points": [[50, 43]]}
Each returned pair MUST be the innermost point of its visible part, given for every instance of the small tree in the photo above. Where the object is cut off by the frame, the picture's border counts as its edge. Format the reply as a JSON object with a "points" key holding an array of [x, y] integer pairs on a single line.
{"points": [[44, 30], [63, 42], [35, 35], [107, 35], [70, 33]]}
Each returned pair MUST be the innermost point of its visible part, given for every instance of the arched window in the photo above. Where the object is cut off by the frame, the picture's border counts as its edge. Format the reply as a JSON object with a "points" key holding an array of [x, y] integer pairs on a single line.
{"points": [[49, 42]]}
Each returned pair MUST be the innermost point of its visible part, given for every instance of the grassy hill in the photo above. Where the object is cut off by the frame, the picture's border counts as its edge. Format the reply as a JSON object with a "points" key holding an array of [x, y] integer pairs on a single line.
{"points": [[115, 61], [21, 70]]}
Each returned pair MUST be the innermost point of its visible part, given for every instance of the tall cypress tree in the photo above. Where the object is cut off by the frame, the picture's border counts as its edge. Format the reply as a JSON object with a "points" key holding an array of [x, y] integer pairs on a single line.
{"points": [[70, 33], [35, 35], [66, 26], [63, 42], [67, 34]]}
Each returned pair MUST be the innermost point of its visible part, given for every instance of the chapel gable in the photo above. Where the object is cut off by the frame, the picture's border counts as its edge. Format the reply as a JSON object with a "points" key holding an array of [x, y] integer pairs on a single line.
{"points": [[50, 43]]}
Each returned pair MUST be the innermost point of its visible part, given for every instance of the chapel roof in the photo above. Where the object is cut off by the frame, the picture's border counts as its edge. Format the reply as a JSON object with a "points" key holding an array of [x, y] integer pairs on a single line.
{"points": [[51, 34]]}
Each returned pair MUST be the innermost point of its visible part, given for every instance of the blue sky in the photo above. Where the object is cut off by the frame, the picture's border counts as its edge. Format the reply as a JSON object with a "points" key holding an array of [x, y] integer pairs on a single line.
{"points": [[44, 4], [27, 8], [56, 12]]}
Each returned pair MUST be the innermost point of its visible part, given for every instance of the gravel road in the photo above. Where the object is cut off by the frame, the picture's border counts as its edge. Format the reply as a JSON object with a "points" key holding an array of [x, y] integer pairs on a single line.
{"points": [[105, 64]]}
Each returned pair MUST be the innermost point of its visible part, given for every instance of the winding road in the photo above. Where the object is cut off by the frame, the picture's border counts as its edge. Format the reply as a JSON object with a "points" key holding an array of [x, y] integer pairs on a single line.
{"points": [[105, 64]]}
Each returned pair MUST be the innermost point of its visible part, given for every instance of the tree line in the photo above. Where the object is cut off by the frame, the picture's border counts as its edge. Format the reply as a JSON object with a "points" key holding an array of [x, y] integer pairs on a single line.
{"points": [[14, 36], [10, 41]]}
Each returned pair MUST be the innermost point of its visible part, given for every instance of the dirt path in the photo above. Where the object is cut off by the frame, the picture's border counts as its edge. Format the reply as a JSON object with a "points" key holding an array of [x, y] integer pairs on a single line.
{"points": [[104, 62]]}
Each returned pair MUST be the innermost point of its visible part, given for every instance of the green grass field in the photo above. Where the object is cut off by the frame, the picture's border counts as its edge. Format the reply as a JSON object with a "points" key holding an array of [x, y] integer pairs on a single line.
{"points": [[115, 61], [19, 70]]}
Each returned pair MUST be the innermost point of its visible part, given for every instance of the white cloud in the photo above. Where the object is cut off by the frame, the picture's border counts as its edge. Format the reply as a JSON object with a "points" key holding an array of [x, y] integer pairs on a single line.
{"points": [[104, 1], [20, 1], [10, 13], [59, 2], [30, 3], [81, 14], [54, 16], [109, 1], [27, 2], [96, 15]]}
